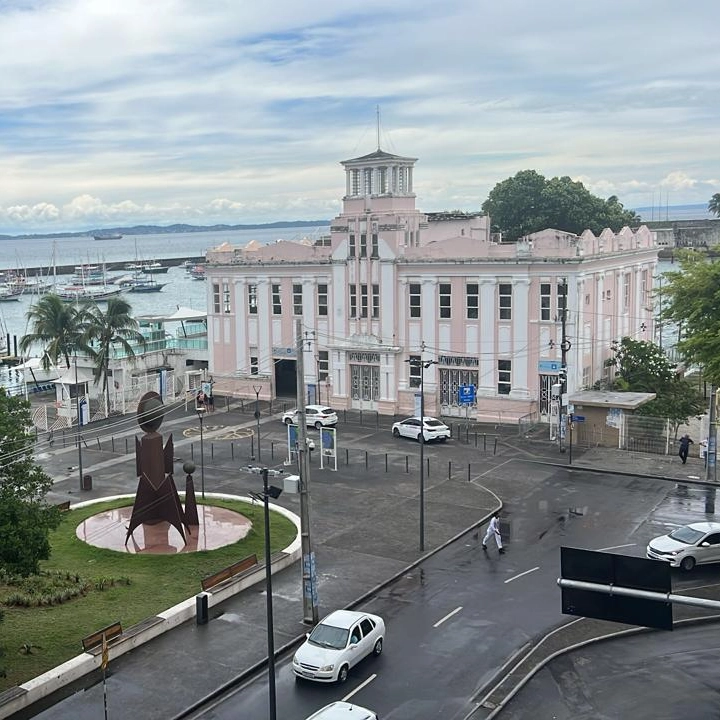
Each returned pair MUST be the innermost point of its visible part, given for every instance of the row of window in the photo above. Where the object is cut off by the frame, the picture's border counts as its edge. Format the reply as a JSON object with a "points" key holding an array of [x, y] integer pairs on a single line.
{"points": [[362, 306]]}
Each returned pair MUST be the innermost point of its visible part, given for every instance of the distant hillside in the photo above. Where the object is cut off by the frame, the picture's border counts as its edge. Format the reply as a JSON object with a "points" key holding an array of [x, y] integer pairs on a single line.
{"points": [[177, 228]]}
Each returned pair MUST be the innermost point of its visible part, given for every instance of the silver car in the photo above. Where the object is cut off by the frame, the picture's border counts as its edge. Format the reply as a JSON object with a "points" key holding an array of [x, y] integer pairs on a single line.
{"points": [[687, 546], [432, 429]]}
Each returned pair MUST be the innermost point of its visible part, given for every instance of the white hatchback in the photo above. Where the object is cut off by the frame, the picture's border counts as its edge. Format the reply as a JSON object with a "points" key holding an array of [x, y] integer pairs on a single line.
{"points": [[433, 429], [316, 416], [338, 642], [688, 546], [343, 711]]}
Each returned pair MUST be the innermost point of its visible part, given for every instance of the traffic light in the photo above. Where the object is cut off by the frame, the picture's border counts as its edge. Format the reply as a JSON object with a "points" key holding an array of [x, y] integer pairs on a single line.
{"points": [[562, 374]]}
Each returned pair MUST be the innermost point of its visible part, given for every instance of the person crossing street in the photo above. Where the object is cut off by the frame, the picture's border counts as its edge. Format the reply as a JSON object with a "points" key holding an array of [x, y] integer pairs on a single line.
{"points": [[494, 531]]}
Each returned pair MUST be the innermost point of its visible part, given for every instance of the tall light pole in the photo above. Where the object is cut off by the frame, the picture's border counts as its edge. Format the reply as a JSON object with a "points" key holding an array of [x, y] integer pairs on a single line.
{"points": [[200, 412], [423, 365], [269, 492], [77, 405], [257, 417]]}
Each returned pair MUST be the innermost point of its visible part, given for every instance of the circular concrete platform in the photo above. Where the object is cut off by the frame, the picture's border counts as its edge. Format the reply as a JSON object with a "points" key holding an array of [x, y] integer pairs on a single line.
{"points": [[218, 527]]}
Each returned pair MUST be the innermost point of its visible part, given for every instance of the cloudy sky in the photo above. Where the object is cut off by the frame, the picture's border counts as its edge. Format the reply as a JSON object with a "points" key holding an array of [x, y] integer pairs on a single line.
{"points": [[160, 111]]}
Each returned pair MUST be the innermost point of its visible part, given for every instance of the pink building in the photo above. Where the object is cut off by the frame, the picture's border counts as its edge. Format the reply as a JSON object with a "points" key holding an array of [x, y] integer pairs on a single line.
{"points": [[391, 284]]}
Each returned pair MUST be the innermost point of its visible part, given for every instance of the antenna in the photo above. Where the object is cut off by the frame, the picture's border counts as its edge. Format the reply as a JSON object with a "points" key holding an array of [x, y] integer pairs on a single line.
{"points": [[377, 110]]}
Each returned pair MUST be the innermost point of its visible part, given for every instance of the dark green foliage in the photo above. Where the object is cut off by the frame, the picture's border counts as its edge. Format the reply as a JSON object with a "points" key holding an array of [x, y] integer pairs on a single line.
{"points": [[714, 204], [528, 202], [25, 518]]}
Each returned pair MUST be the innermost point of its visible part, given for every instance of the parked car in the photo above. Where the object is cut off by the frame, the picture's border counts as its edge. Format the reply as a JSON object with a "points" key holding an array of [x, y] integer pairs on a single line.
{"points": [[433, 429], [343, 711], [688, 546], [316, 416], [338, 642]]}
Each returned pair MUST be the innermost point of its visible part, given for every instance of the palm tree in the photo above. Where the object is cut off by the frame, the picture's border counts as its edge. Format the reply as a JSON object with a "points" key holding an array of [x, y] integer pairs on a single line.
{"points": [[57, 326], [714, 204], [105, 329]]}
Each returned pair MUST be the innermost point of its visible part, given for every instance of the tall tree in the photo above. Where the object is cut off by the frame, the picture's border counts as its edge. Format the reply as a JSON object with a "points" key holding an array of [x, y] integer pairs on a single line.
{"points": [[714, 204], [691, 297], [105, 329], [528, 202], [56, 326], [25, 517]]}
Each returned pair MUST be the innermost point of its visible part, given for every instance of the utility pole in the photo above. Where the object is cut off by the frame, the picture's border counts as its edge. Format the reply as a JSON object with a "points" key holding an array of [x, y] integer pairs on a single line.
{"points": [[269, 601], [565, 345], [79, 419], [309, 578]]}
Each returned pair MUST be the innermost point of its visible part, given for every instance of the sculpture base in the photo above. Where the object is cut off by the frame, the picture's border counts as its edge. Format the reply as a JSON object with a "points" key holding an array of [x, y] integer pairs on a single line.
{"points": [[217, 527]]}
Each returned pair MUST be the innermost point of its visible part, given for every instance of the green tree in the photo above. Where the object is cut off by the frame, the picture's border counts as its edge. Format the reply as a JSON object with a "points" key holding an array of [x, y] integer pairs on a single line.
{"points": [[691, 299], [105, 329], [714, 204], [528, 202], [56, 326], [25, 517], [643, 367]]}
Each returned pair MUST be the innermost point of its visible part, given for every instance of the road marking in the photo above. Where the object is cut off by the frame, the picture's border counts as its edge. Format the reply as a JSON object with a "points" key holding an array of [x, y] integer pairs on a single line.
{"points": [[448, 616], [616, 547], [359, 687], [527, 572]]}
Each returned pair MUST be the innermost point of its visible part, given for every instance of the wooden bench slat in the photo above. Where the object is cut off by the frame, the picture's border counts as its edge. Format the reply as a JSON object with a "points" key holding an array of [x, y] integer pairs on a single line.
{"points": [[95, 639], [229, 572]]}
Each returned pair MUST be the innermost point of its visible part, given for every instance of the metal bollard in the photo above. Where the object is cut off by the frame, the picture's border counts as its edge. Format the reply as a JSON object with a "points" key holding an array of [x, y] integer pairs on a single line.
{"points": [[476, 438], [272, 449], [98, 443], [192, 451], [252, 446], [407, 466], [427, 471], [212, 450], [112, 442], [495, 448], [386, 464], [347, 456], [366, 459], [449, 469], [467, 434], [484, 442], [468, 472], [232, 451]]}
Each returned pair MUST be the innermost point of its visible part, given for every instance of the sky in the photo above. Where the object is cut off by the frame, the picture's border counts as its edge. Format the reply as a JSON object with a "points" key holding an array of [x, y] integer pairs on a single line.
{"points": [[186, 111]]}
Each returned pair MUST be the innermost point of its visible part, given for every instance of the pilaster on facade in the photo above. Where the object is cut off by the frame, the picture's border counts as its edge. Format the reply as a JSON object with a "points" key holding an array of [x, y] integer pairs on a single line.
{"points": [[488, 313], [522, 353]]}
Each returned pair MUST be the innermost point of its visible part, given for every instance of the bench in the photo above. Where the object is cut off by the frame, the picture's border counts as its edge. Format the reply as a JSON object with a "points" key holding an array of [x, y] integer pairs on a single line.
{"points": [[229, 572], [93, 641]]}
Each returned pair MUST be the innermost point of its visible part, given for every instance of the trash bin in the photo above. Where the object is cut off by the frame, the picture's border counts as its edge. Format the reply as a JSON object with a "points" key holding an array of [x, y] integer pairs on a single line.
{"points": [[201, 608], [87, 482]]}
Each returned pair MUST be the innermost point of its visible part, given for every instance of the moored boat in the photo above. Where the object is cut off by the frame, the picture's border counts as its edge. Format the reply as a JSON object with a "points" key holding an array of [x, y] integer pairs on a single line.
{"points": [[108, 236], [87, 293]]}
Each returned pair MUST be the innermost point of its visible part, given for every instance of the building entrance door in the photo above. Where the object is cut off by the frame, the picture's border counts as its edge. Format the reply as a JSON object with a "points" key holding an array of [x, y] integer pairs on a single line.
{"points": [[545, 400], [365, 386]]}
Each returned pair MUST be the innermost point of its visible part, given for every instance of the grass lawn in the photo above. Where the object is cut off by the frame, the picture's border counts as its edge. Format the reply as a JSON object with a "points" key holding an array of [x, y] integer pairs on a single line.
{"points": [[157, 582]]}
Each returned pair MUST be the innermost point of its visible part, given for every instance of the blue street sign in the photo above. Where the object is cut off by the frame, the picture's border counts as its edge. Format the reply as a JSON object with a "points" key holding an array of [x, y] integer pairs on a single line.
{"points": [[578, 418], [466, 394]]}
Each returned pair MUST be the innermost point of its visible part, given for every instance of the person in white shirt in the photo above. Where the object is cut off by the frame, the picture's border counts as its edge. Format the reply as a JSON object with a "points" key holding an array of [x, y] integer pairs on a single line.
{"points": [[494, 531]]}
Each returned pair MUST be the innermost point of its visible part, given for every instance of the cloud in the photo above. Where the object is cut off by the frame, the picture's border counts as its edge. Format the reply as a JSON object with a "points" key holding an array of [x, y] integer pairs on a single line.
{"points": [[157, 112]]}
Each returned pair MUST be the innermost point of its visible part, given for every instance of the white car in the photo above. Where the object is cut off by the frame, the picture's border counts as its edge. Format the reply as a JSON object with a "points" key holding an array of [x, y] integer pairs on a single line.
{"points": [[688, 546], [316, 416], [338, 642], [433, 429], [343, 711]]}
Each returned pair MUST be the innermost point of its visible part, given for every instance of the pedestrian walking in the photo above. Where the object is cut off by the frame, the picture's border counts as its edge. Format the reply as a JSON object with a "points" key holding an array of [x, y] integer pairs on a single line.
{"points": [[494, 531], [200, 401], [685, 443]]}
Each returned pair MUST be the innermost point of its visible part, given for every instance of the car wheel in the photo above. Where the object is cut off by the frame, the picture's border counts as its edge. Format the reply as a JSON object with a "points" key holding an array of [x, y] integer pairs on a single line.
{"points": [[443, 439], [288, 421], [396, 432], [419, 437], [343, 673], [378, 647], [687, 564], [318, 425]]}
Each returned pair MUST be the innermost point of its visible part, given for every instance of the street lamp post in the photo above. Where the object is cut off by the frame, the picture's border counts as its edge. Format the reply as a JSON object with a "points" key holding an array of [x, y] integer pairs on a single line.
{"points": [[200, 412], [257, 418], [423, 365], [268, 492], [79, 440]]}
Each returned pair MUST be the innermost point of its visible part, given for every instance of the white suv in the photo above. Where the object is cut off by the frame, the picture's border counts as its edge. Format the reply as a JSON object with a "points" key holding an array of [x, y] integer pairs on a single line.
{"points": [[433, 429], [316, 416], [343, 711]]}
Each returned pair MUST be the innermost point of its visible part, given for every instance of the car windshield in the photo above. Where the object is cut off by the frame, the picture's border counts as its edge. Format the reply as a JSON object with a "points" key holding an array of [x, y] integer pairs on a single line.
{"points": [[329, 636], [686, 535], [325, 411], [433, 423]]}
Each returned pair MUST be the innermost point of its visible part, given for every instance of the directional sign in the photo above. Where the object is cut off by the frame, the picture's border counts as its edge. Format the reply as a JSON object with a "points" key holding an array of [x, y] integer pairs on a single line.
{"points": [[579, 418], [466, 394]]}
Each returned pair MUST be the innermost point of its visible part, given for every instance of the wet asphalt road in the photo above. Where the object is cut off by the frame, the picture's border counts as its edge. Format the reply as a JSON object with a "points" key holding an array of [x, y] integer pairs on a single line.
{"points": [[366, 527]]}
